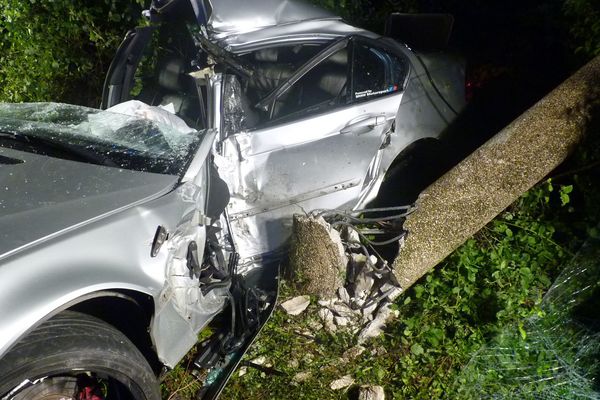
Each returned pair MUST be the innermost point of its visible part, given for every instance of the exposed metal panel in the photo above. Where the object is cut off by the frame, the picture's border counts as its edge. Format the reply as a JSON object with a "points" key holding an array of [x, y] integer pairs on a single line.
{"points": [[308, 164], [44, 195], [234, 17]]}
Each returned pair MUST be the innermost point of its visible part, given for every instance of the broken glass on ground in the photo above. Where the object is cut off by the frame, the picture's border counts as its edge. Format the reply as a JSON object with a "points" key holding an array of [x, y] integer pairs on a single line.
{"points": [[552, 355]]}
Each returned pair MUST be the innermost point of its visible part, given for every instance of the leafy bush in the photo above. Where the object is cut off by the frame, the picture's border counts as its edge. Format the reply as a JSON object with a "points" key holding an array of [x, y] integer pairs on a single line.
{"points": [[584, 16], [495, 279], [60, 50]]}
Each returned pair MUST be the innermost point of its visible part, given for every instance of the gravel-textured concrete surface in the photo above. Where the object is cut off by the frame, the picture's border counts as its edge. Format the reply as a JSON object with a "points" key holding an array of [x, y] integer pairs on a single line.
{"points": [[317, 257], [470, 195]]}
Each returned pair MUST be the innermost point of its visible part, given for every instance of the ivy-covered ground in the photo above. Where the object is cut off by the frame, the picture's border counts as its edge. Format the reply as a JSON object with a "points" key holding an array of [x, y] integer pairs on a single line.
{"points": [[491, 286]]}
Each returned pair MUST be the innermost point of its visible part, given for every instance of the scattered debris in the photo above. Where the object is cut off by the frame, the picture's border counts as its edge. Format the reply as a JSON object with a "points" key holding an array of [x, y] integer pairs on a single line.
{"points": [[353, 353], [375, 327], [343, 382], [297, 305], [259, 360], [242, 371], [343, 295], [341, 321], [316, 326], [369, 392], [327, 317], [302, 376], [361, 303]]}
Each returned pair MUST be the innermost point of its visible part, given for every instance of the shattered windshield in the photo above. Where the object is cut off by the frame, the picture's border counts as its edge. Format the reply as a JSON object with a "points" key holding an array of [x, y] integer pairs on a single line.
{"points": [[131, 135]]}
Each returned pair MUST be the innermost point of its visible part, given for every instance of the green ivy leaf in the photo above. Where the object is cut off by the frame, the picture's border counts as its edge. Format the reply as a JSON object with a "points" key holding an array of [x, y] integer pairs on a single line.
{"points": [[522, 331], [417, 349]]}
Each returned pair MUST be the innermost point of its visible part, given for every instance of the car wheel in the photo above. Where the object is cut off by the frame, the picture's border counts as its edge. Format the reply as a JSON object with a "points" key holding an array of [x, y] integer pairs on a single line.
{"points": [[79, 357], [408, 177]]}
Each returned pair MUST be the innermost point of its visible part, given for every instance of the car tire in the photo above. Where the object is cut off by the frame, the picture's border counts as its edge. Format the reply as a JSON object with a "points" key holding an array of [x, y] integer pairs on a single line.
{"points": [[72, 348]]}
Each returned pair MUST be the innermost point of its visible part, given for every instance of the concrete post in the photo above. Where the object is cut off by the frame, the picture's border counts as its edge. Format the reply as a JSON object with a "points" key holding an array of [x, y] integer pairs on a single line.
{"points": [[466, 198]]}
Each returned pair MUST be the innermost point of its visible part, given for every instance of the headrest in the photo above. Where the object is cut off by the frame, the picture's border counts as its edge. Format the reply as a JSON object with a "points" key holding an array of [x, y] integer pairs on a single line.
{"points": [[169, 76]]}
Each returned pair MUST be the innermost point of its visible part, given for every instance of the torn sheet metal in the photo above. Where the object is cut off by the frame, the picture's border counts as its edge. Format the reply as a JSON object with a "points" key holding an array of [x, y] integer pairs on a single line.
{"points": [[234, 117], [275, 172], [183, 309]]}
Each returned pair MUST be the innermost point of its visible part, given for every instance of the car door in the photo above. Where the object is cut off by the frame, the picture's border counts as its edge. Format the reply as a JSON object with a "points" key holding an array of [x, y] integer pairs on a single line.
{"points": [[318, 144]]}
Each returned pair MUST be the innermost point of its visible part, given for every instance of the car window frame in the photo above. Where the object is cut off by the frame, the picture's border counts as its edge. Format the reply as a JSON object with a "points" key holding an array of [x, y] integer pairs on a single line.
{"points": [[386, 48], [267, 104]]}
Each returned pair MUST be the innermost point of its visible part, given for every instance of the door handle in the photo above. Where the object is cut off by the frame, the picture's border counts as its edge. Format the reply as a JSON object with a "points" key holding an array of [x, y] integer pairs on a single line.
{"points": [[364, 125]]}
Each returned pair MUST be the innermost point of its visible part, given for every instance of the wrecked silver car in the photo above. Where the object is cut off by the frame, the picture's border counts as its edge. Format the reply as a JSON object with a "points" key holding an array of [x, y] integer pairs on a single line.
{"points": [[126, 232]]}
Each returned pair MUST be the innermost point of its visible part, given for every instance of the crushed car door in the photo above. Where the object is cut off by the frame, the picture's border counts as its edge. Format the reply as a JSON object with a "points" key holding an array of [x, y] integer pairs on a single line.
{"points": [[319, 143]]}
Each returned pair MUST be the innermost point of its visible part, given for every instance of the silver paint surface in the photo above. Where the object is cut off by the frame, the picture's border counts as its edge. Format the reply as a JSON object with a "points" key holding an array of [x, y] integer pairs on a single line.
{"points": [[234, 17], [70, 229]]}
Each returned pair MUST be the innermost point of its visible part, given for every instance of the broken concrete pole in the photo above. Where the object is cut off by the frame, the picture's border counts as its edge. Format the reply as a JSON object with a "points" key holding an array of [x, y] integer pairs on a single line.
{"points": [[470, 195], [317, 257]]}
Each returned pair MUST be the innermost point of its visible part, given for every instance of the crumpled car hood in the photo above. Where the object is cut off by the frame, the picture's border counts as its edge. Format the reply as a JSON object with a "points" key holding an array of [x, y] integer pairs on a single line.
{"points": [[42, 196]]}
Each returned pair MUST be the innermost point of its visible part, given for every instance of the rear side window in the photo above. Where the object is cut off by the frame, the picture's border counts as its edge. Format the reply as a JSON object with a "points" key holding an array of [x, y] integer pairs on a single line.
{"points": [[376, 72]]}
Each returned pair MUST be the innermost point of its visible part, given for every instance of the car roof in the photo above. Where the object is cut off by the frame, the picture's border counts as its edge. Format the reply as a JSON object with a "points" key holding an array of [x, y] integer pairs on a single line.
{"points": [[230, 17], [313, 31]]}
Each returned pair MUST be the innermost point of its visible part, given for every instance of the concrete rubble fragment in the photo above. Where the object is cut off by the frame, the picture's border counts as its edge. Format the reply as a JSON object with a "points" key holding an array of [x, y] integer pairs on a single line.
{"points": [[360, 303], [375, 327], [353, 353], [302, 376], [368, 392], [342, 383], [297, 305], [327, 317], [316, 326], [317, 255], [343, 295], [259, 360]]}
